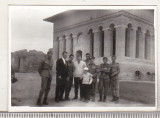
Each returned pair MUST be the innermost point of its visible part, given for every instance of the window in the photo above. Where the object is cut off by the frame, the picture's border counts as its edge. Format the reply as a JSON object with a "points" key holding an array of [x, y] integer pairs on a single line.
{"points": [[137, 41], [71, 38], [113, 39], [147, 45], [101, 41], [91, 42], [64, 46]]}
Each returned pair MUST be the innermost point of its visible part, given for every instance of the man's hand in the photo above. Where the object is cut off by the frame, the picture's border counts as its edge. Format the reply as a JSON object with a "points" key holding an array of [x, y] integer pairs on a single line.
{"points": [[67, 78], [97, 79]]}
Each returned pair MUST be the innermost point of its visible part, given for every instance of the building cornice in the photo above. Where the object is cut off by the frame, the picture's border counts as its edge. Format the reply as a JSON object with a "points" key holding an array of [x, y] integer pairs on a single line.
{"points": [[109, 16]]}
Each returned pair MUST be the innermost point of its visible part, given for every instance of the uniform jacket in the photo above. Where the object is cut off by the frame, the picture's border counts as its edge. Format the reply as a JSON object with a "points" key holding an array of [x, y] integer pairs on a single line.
{"points": [[61, 68], [45, 68], [104, 71], [93, 69], [70, 68], [114, 70]]}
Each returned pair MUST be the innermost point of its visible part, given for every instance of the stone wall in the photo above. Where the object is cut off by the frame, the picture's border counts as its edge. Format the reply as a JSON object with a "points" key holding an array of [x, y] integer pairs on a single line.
{"points": [[137, 26], [24, 61]]}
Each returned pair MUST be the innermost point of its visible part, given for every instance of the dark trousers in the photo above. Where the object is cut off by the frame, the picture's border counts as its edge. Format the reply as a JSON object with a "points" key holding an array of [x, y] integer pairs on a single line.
{"points": [[115, 87], [103, 87], [93, 89], [77, 84], [60, 87], [69, 83], [85, 91], [45, 87]]}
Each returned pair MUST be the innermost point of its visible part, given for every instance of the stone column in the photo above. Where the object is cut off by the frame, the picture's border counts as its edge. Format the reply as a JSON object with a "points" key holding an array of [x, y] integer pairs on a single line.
{"points": [[74, 45], [107, 42], [148, 47], [120, 41], [96, 44], [141, 45], [132, 43]]}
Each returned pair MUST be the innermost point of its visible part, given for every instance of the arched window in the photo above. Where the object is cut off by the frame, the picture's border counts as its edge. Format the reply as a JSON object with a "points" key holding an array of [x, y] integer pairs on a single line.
{"points": [[137, 41], [91, 42], [71, 49], [101, 41], [58, 47], [147, 45], [127, 40], [113, 39], [64, 38]]}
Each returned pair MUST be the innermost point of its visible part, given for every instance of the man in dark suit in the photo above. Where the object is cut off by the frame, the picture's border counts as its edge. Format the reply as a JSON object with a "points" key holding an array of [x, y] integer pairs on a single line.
{"points": [[61, 76]]}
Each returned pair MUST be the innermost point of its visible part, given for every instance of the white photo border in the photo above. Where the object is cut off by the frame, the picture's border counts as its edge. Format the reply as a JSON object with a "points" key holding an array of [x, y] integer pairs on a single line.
{"points": [[89, 109]]}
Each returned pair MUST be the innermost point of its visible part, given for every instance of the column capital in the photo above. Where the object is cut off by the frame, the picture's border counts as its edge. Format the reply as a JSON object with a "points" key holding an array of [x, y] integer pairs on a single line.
{"points": [[120, 26], [134, 29], [57, 39], [104, 29], [95, 31]]}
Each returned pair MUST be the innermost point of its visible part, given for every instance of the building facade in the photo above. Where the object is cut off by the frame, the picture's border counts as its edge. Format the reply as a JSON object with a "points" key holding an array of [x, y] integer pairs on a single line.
{"points": [[127, 34]]}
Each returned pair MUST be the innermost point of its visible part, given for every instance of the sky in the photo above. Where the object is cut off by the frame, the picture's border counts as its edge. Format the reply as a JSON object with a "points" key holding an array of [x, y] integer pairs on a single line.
{"points": [[28, 30]]}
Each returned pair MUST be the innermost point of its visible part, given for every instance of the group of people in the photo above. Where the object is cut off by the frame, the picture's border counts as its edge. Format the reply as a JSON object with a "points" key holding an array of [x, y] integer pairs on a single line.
{"points": [[85, 74]]}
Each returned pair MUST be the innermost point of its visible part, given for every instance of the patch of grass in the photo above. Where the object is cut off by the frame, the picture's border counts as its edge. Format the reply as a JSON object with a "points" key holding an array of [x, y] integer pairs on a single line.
{"points": [[143, 92]]}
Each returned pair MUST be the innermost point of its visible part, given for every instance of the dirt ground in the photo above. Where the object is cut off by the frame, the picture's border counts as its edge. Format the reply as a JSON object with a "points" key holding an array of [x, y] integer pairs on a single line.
{"points": [[25, 92]]}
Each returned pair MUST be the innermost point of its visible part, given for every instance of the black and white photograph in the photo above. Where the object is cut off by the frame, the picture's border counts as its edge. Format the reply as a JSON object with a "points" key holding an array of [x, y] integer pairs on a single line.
{"points": [[68, 56]]}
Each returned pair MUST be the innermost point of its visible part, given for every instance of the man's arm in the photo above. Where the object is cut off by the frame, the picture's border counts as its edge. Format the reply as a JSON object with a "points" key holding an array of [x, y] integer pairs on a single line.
{"points": [[58, 67], [84, 65], [115, 73], [40, 67]]}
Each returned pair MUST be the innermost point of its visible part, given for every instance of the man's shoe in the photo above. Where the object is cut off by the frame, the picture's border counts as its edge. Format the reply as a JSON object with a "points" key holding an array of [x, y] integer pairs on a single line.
{"points": [[45, 103], [104, 100], [39, 102], [57, 100], [86, 101], [61, 99], [100, 100], [81, 99], [93, 100], [75, 98], [67, 99], [113, 99]]}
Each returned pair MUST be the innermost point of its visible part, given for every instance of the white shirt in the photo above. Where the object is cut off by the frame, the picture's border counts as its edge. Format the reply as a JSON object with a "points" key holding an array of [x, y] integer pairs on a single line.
{"points": [[87, 78], [64, 61], [79, 68]]}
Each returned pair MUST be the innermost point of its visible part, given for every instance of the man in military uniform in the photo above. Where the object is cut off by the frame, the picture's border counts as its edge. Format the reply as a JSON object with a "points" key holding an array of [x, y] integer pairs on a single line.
{"points": [[70, 78], [87, 59], [44, 70], [114, 78], [103, 79], [93, 70]]}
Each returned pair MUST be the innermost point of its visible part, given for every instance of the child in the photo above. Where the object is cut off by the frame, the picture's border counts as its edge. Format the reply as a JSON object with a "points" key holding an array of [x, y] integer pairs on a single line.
{"points": [[86, 82]]}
